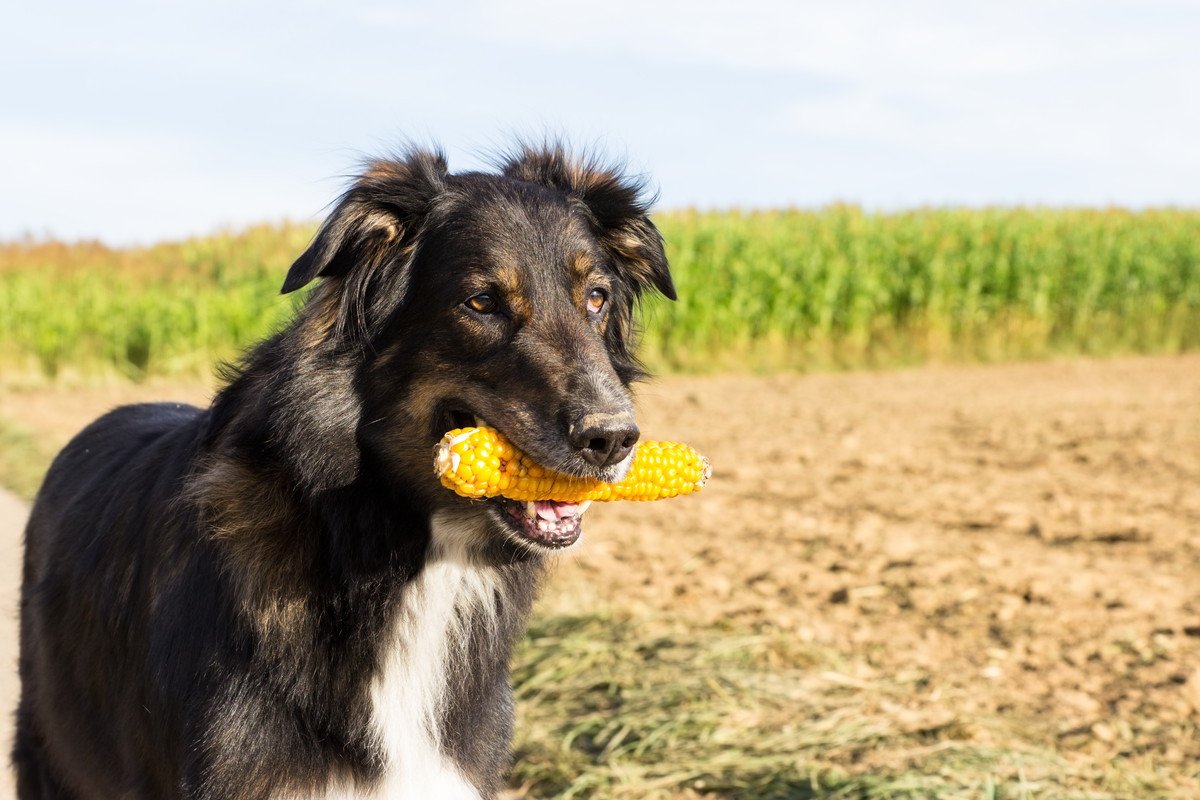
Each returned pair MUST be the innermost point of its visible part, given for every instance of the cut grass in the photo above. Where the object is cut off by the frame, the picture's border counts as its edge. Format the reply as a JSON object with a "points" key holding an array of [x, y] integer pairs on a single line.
{"points": [[612, 706]]}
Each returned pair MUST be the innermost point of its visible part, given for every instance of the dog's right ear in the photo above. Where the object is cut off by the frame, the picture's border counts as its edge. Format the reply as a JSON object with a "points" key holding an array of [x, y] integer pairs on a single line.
{"points": [[382, 210], [616, 203]]}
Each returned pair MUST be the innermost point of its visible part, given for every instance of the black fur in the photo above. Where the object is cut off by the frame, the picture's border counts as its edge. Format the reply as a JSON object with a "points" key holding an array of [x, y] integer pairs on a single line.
{"points": [[207, 592]]}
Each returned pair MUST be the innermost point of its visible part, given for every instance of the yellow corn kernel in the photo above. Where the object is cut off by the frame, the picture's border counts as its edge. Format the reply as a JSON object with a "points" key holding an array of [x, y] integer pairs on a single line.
{"points": [[480, 462]]}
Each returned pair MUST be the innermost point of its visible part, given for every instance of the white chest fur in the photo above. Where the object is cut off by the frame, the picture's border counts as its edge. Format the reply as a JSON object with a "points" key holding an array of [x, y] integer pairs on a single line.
{"points": [[408, 692]]}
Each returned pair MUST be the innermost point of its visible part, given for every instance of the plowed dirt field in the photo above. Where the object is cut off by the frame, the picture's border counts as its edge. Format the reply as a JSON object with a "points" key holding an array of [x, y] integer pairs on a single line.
{"points": [[1002, 556]]}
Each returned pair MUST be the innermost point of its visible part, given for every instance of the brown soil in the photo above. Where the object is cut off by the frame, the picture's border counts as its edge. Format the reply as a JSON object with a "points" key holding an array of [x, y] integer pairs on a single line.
{"points": [[1015, 550], [55, 413]]}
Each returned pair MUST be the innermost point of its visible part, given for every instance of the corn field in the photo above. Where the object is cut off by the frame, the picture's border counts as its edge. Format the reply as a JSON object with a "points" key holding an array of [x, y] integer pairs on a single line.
{"points": [[833, 288]]}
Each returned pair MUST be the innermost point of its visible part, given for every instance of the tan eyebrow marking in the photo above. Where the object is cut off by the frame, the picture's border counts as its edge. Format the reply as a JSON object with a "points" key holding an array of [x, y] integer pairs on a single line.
{"points": [[581, 264], [508, 277]]}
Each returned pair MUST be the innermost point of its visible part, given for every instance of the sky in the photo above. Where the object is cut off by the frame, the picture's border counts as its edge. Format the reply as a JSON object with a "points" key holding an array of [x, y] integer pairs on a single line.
{"points": [[134, 122]]}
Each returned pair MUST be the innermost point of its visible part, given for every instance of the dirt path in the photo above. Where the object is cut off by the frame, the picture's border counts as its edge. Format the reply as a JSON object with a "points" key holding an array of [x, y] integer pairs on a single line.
{"points": [[12, 524]]}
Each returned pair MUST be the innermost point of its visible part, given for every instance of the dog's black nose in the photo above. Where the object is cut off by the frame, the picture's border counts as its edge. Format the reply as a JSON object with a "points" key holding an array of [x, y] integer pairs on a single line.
{"points": [[604, 439]]}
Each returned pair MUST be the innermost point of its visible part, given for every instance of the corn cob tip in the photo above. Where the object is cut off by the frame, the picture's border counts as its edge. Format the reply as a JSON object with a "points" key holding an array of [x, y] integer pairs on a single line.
{"points": [[443, 458]]}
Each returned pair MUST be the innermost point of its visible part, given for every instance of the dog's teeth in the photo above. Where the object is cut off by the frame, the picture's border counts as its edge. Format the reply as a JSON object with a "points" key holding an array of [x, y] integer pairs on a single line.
{"points": [[584, 506], [480, 423], [531, 509]]}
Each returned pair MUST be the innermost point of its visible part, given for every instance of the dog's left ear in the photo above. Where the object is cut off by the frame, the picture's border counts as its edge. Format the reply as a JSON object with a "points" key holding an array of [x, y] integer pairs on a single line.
{"points": [[384, 208], [616, 203]]}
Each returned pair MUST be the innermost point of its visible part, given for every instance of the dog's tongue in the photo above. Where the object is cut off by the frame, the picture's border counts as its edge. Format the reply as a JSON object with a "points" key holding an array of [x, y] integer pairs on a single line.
{"points": [[552, 511]]}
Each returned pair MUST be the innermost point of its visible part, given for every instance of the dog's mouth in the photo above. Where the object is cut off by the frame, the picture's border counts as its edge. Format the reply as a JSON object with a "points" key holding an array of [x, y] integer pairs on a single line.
{"points": [[546, 523]]}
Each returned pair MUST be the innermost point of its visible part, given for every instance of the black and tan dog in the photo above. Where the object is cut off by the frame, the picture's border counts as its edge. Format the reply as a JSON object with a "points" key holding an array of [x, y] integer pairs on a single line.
{"points": [[273, 597]]}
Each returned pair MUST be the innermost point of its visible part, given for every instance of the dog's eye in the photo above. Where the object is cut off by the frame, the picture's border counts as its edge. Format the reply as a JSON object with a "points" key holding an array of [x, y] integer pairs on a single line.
{"points": [[483, 304], [595, 300]]}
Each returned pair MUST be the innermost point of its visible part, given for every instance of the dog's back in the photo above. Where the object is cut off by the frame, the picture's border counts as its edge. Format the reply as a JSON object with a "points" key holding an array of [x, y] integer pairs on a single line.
{"points": [[143, 677], [86, 541]]}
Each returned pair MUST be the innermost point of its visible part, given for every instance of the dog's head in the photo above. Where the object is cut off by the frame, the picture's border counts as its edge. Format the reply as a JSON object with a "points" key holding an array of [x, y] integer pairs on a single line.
{"points": [[505, 299]]}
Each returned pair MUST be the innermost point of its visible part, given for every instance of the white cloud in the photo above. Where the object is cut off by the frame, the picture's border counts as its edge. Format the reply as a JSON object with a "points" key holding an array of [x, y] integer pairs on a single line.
{"points": [[1108, 84], [131, 188], [136, 121], [855, 39]]}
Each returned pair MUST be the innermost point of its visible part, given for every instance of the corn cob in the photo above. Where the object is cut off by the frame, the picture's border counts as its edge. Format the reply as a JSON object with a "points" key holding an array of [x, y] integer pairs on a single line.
{"points": [[481, 462]]}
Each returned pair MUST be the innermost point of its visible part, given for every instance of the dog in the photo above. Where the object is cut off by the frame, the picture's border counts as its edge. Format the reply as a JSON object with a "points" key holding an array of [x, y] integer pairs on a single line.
{"points": [[273, 598]]}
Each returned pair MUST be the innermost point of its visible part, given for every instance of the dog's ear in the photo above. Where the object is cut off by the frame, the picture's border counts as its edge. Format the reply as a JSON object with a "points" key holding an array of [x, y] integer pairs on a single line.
{"points": [[382, 211], [617, 204]]}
